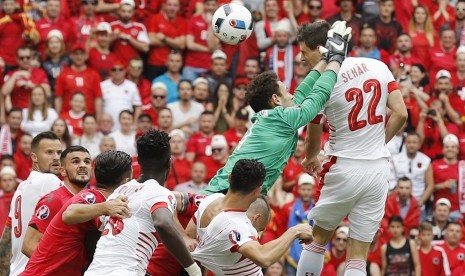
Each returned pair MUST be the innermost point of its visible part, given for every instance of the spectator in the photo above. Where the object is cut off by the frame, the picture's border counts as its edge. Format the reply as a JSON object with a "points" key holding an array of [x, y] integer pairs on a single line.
{"points": [[314, 10], [120, 94], [180, 167], [172, 76], [336, 256], [197, 182], [7, 188], [134, 74], [144, 123], [368, 10], [165, 120], [86, 22], [74, 117], [100, 56], [198, 145], [294, 168], [387, 29], [414, 100], [218, 157], [440, 218], [235, 133], [399, 255], [404, 10], [442, 56], [11, 132], [60, 128], [458, 77], [22, 157], [56, 58], [38, 117], [419, 78], [443, 14], [459, 22], [445, 174], [106, 124], [276, 269], [251, 68], [346, 13], [78, 78], [265, 29], [158, 101], [447, 94], [368, 47], [166, 30], [197, 42], [19, 83], [7, 160], [294, 11], [454, 249], [200, 91], [222, 108], [90, 138], [422, 32], [107, 143], [186, 111], [402, 58], [218, 72], [131, 39], [300, 71], [433, 259], [125, 136]]}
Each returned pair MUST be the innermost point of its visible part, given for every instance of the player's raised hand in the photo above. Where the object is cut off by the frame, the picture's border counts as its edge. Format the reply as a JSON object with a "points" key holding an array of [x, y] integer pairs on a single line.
{"points": [[118, 207], [304, 232], [312, 165], [336, 46]]}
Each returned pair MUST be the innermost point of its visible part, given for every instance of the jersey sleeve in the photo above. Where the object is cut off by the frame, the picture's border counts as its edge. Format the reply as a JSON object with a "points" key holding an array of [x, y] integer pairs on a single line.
{"points": [[161, 198], [305, 87], [239, 235], [47, 207]]}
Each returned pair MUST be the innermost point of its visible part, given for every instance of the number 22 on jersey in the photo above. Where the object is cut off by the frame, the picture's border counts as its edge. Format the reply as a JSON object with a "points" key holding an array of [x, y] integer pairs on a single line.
{"points": [[369, 86]]}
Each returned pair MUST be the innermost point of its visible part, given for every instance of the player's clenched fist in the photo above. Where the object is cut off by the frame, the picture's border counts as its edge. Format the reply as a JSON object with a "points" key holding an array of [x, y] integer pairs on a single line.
{"points": [[118, 208], [338, 38], [303, 232]]}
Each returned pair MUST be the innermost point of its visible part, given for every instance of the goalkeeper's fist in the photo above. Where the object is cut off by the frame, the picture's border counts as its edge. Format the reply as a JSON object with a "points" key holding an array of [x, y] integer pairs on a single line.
{"points": [[336, 46]]}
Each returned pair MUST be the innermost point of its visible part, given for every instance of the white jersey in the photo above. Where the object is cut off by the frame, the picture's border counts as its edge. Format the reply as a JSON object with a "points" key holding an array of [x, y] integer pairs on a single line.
{"points": [[414, 169], [198, 214], [218, 248], [356, 110], [126, 245], [22, 207]]}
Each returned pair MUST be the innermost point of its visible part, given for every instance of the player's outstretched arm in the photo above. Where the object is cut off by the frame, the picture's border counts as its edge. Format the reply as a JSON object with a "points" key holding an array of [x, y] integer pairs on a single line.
{"points": [[172, 239], [269, 253], [311, 163], [79, 213], [306, 86], [5, 251], [395, 102]]}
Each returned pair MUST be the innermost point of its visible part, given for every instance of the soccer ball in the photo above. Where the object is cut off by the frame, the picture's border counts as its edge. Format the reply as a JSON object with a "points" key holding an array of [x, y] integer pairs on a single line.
{"points": [[232, 23]]}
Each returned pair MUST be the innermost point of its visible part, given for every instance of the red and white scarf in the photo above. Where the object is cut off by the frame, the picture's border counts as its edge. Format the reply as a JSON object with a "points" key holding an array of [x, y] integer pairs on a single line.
{"points": [[5, 140], [462, 186]]}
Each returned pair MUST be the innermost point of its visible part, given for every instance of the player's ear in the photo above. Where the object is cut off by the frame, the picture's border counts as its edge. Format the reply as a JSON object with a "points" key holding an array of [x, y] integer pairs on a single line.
{"points": [[34, 157], [63, 171], [275, 100]]}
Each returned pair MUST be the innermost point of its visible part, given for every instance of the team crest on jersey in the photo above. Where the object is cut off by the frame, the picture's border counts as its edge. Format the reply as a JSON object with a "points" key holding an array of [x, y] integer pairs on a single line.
{"points": [[172, 202], [43, 212], [461, 256], [134, 32], [89, 197], [419, 165], [234, 236], [435, 261]]}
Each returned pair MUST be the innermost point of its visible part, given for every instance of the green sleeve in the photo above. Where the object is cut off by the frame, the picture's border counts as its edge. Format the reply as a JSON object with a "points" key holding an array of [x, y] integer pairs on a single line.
{"points": [[304, 88], [313, 103]]}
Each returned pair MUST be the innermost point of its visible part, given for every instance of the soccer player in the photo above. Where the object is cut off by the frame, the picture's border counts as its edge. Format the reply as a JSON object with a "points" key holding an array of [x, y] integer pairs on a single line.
{"points": [[272, 137], [228, 240], [62, 249], [76, 171], [46, 149], [127, 244], [433, 259], [356, 112]]}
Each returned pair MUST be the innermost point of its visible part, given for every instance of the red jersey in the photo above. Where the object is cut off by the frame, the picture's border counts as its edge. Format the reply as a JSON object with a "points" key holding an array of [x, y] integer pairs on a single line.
{"points": [[101, 63], [159, 23], [432, 145], [443, 171], [292, 171], [44, 26], [404, 11], [334, 261], [71, 81], [121, 48], [181, 167], [212, 167], [62, 249], [461, 137], [135, 168], [48, 206], [198, 144], [23, 164], [233, 137], [198, 29], [11, 36], [440, 59], [152, 113], [420, 46], [5, 202], [434, 263], [20, 95], [144, 87], [455, 256], [82, 27], [74, 122]]}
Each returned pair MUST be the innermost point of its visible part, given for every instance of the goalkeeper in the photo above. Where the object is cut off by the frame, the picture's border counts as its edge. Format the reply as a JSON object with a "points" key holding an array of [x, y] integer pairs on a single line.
{"points": [[272, 138]]}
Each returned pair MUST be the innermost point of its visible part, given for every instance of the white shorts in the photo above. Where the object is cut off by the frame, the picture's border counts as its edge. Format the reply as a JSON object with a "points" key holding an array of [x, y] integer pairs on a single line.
{"points": [[354, 188]]}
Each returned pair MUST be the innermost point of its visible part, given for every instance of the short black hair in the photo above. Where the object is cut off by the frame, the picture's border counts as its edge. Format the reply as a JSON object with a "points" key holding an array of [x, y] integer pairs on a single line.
{"points": [[261, 89], [396, 219], [146, 116], [127, 111], [247, 175], [404, 179], [154, 151], [453, 223], [111, 167], [42, 136], [70, 150], [186, 81], [206, 112], [314, 34], [414, 133], [88, 116], [7, 157], [14, 109]]}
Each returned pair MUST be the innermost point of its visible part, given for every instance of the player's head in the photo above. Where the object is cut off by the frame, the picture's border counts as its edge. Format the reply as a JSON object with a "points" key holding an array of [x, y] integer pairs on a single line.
{"points": [[247, 178], [267, 92], [45, 152], [154, 153], [259, 213], [453, 234], [310, 37], [112, 168], [425, 233], [76, 165], [396, 226]]}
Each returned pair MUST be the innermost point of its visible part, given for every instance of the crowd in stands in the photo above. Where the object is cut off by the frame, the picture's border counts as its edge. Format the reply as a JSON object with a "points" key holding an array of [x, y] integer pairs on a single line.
{"points": [[98, 73]]}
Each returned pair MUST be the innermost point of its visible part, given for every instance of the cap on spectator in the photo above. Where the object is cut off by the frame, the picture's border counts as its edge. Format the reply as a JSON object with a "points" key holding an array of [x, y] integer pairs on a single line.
{"points": [[243, 81], [443, 201], [242, 114], [177, 132], [284, 25], [460, 50], [451, 138], [343, 229], [55, 33], [443, 74], [159, 84], [219, 54], [200, 80], [78, 46], [128, 2], [116, 63], [218, 141], [7, 171], [104, 27], [305, 178]]}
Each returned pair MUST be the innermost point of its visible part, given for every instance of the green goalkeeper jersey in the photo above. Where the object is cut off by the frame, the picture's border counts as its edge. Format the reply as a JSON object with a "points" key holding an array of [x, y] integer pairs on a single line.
{"points": [[272, 138]]}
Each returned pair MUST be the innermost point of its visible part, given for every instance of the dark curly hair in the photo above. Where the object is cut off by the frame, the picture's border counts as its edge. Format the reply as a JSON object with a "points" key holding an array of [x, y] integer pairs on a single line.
{"points": [[314, 34], [247, 175], [111, 167], [261, 89], [153, 149]]}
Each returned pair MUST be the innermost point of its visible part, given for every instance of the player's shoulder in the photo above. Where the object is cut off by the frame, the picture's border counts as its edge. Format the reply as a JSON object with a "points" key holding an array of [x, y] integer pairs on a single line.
{"points": [[89, 196], [45, 178]]}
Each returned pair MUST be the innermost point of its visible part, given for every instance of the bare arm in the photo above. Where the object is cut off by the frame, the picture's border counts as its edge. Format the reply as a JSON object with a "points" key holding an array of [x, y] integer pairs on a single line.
{"points": [[415, 257], [8, 86], [79, 213], [442, 127], [139, 45], [383, 259], [5, 251], [104, 7], [429, 185], [313, 140], [98, 104], [420, 126], [191, 230], [137, 111], [191, 45], [58, 104], [31, 240], [399, 114], [213, 42]]}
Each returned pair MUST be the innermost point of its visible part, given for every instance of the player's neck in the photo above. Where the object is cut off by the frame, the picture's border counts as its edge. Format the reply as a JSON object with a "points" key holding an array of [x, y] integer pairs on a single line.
{"points": [[72, 187], [159, 177], [235, 202], [105, 192]]}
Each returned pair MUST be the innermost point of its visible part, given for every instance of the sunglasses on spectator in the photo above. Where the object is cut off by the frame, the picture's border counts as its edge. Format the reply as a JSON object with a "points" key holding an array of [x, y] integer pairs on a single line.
{"points": [[24, 58], [89, 3], [341, 239], [219, 150], [137, 67], [117, 69], [315, 7], [413, 237], [158, 96]]}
